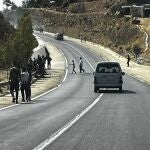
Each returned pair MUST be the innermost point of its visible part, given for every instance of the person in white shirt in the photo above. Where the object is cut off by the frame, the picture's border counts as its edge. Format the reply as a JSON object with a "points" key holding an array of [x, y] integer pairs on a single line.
{"points": [[24, 80]]}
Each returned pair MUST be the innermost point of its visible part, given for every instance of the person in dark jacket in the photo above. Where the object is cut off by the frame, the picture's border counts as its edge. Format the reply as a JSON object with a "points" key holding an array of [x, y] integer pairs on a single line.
{"points": [[14, 78], [73, 67], [29, 69], [48, 58], [81, 65], [128, 60]]}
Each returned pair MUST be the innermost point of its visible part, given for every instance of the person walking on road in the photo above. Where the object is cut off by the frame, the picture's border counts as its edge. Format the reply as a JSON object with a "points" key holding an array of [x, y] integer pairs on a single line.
{"points": [[73, 67], [14, 78], [24, 78], [128, 60], [81, 65]]}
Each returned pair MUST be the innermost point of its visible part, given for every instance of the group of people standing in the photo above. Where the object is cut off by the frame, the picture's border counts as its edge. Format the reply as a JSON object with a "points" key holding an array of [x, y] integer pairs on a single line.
{"points": [[80, 66], [21, 76], [38, 65]]}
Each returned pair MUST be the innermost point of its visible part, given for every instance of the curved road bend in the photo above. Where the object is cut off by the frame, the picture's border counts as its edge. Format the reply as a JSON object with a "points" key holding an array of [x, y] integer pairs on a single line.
{"points": [[117, 121]]}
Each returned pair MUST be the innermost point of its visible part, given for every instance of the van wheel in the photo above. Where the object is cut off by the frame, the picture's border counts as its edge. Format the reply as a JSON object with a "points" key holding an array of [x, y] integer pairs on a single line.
{"points": [[95, 89], [120, 89]]}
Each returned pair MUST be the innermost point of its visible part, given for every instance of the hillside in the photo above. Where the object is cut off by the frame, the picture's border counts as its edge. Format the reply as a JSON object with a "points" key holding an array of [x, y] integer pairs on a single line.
{"points": [[99, 23]]}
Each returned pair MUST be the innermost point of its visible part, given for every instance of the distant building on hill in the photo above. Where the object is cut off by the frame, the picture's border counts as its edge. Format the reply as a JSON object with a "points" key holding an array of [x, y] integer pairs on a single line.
{"points": [[137, 10]]}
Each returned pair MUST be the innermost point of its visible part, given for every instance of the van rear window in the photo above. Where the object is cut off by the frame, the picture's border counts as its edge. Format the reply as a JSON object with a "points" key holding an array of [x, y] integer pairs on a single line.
{"points": [[108, 68]]}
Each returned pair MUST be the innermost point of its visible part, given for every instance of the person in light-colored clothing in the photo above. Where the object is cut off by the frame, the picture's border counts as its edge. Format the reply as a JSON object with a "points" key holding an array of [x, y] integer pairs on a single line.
{"points": [[24, 79]]}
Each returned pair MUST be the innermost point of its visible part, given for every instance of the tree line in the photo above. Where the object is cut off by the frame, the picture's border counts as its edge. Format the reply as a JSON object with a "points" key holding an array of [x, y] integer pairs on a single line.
{"points": [[16, 44], [138, 1], [47, 3], [9, 3]]}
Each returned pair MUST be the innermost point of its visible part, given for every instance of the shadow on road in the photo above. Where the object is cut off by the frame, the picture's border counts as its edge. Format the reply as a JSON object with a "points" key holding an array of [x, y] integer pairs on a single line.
{"points": [[128, 92], [116, 91]]}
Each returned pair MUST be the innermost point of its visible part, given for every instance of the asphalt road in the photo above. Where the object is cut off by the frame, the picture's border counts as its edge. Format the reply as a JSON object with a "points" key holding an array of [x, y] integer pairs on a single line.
{"points": [[118, 121]]}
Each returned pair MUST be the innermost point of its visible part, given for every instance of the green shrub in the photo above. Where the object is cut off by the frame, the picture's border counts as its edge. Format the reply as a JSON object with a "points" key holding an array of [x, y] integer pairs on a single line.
{"points": [[76, 8], [73, 8]]}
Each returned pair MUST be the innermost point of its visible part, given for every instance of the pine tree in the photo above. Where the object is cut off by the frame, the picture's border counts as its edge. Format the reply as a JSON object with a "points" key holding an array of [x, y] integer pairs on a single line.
{"points": [[24, 41]]}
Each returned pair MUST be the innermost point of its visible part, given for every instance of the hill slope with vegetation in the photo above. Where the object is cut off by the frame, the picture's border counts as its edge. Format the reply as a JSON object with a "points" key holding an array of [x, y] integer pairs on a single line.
{"points": [[100, 21]]}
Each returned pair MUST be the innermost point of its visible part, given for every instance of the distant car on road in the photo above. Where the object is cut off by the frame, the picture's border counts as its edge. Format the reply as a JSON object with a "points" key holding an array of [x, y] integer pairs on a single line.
{"points": [[108, 75], [59, 36]]}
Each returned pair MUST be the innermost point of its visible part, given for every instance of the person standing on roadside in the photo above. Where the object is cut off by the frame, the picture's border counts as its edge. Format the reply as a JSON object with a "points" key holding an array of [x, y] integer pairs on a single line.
{"points": [[29, 69], [128, 60], [14, 78], [24, 79], [48, 58], [81, 65]]}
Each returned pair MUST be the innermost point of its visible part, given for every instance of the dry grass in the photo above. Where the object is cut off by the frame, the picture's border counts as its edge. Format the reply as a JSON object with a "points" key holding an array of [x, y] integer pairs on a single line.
{"points": [[3, 75]]}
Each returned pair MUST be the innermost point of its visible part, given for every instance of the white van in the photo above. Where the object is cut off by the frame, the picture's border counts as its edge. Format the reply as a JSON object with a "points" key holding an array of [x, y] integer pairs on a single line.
{"points": [[108, 75]]}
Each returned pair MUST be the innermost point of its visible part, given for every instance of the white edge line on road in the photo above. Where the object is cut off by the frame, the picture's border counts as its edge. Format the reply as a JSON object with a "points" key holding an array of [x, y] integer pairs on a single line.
{"points": [[64, 78], [57, 134], [8, 107], [66, 66]]}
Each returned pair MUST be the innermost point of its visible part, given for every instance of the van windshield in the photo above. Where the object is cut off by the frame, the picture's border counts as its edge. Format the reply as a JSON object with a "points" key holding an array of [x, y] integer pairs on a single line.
{"points": [[108, 68]]}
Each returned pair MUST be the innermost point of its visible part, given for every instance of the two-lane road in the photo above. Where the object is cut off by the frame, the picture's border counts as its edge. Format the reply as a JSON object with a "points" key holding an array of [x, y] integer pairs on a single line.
{"points": [[118, 121]]}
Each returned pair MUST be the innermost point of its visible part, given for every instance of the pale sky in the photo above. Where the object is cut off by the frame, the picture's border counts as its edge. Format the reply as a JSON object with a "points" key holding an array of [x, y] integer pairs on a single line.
{"points": [[17, 2]]}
